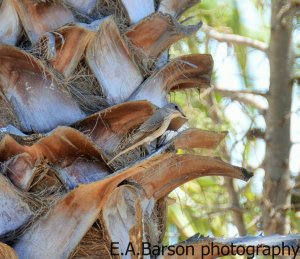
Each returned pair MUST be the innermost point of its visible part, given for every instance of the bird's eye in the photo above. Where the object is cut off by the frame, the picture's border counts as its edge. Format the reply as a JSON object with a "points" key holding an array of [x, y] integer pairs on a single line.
{"points": [[176, 107]]}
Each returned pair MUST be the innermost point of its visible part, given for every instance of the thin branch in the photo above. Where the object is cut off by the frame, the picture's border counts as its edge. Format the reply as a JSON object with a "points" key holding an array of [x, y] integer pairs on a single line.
{"points": [[289, 9], [224, 210], [252, 92], [238, 212], [244, 97], [234, 39], [254, 222], [234, 198]]}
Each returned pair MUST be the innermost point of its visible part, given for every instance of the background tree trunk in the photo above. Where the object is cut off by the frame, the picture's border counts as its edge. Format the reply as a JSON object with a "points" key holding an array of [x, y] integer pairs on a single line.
{"points": [[276, 200]]}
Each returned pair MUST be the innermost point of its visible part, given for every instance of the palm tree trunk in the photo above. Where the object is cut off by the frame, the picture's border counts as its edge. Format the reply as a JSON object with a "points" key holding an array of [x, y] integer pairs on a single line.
{"points": [[81, 79]]}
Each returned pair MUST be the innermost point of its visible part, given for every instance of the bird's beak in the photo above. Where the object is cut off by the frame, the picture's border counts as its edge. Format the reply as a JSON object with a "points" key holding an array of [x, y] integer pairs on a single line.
{"points": [[183, 114]]}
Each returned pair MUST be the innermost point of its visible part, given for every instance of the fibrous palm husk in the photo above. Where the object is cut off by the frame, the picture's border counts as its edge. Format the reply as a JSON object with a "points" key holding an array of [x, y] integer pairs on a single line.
{"points": [[35, 17]]}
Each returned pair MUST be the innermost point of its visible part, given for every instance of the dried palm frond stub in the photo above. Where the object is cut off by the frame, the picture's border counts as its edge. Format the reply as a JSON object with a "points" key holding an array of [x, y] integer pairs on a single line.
{"points": [[197, 138], [181, 73], [98, 43], [154, 34], [124, 208], [20, 169], [14, 211], [65, 47], [73, 214], [163, 173], [107, 127], [189, 139], [73, 156], [62, 52], [10, 28], [129, 216], [77, 217], [39, 18], [176, 7], [109, 59], [33, 94], [82, 170]]}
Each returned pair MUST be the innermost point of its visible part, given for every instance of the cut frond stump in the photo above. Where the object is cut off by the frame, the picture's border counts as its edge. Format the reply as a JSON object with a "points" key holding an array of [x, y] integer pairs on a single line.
{"points": [[192, 71], [103, 56], [72, 155], [108, 127], [14, 211], [39, 18], [161, 174], [176, 7], [34, 95], [196, 138], [10, 28], [154, 34]]}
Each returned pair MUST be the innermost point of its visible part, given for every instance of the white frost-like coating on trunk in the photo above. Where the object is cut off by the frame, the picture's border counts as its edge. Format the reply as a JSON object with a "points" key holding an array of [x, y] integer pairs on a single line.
{"points": [[137, 10], [153, 91], [13, 211], [57, 234], [39, 18], [37, 100], [55, 237], [45, 108], [120, 215], [109, 59], [10, 28]]}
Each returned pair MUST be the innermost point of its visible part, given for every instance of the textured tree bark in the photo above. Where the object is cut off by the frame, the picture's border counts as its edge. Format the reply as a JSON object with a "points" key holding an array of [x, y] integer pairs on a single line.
{"points": [[277, 179]]}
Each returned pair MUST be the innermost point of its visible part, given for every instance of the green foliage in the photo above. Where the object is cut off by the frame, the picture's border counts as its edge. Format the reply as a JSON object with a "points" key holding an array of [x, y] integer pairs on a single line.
{"points": [[203, 205]]}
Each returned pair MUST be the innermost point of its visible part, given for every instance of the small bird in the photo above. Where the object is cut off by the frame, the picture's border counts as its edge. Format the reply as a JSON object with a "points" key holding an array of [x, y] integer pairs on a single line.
{"points": [[153, 128]]}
